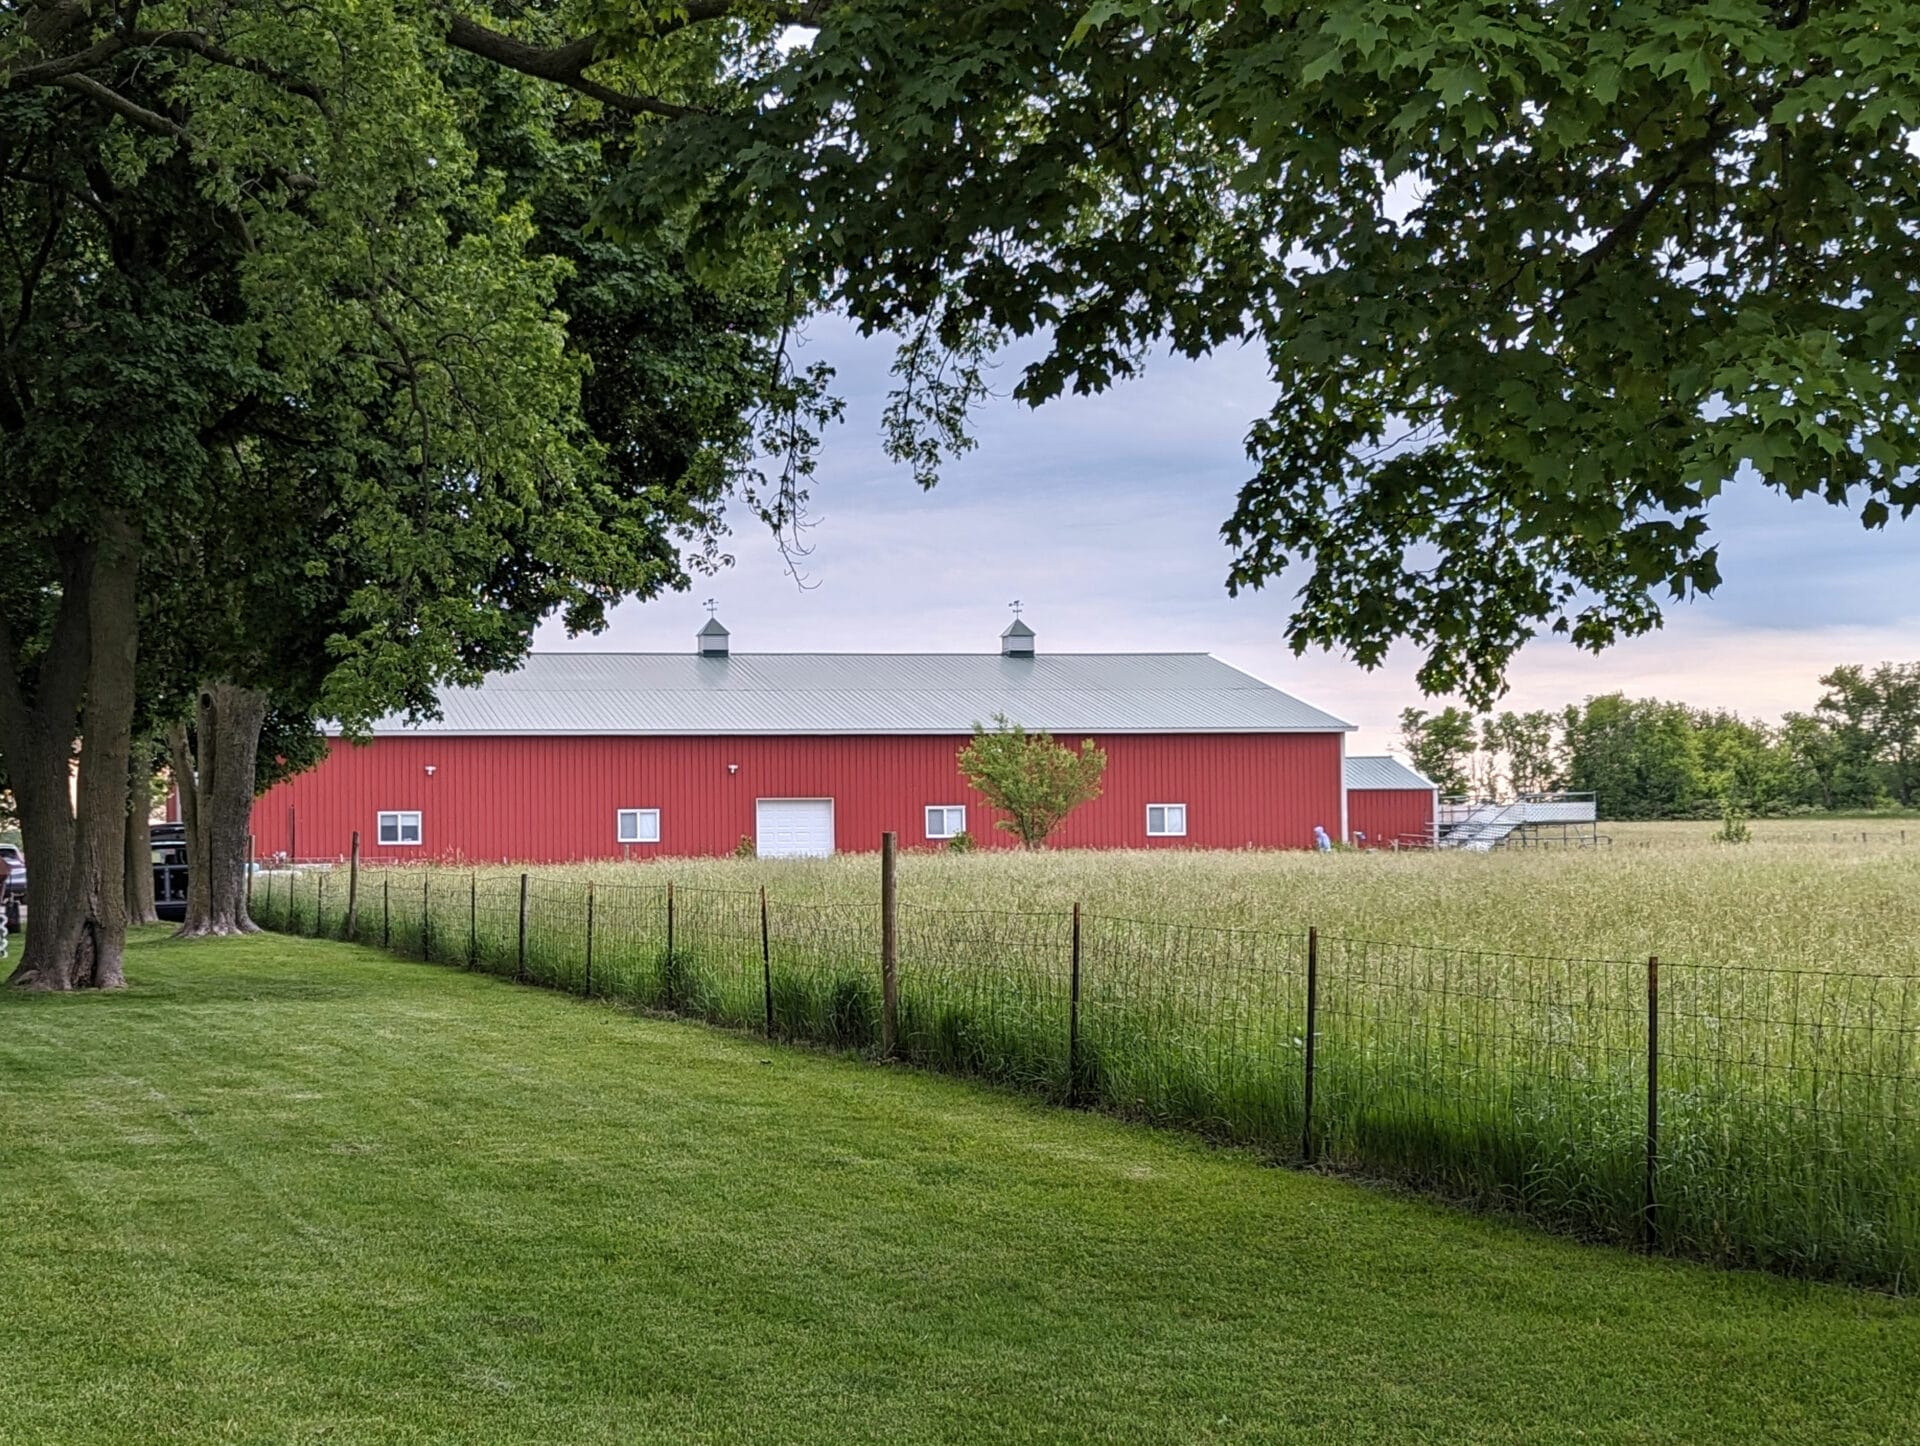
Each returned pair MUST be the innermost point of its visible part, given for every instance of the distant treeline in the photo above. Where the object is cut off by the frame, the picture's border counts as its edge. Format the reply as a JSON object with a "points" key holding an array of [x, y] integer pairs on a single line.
{"points": [[1647, 758]]}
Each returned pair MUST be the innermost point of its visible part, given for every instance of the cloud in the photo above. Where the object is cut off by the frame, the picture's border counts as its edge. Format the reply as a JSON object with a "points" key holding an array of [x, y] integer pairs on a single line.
{"points": [[1102, 514]]}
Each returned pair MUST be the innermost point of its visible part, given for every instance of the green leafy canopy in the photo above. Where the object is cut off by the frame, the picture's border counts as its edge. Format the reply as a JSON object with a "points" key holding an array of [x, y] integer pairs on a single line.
{"points": [[1534, 283]]}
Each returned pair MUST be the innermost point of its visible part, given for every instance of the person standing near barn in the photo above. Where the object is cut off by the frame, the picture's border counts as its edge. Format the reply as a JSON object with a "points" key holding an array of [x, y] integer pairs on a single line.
{"points": [[1321, 841]]}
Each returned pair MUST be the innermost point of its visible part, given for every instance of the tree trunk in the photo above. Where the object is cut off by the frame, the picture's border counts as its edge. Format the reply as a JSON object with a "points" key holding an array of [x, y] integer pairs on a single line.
{"points": [[41, 771], [216, 804], [139, 865], [79, 927], [180, 751], [37, 731]]}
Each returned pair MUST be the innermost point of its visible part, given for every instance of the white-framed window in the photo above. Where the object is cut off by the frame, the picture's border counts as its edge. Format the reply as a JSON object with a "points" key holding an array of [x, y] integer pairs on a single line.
{"points": [[1166, 820], [401, 827], [637, 825], [946, 820]]}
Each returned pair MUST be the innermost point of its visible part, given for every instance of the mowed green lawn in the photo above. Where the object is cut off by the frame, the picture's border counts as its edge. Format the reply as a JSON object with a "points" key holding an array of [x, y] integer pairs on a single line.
{"points": [[292, 1190]]}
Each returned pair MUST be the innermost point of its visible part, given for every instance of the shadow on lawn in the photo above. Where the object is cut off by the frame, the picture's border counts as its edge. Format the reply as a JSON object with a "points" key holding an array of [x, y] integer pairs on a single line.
{"points": [[261, 968]]}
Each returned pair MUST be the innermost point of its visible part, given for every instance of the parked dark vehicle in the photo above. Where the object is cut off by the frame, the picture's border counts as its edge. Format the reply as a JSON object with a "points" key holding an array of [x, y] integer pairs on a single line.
{"points": [[13, 885], [170, 871]]}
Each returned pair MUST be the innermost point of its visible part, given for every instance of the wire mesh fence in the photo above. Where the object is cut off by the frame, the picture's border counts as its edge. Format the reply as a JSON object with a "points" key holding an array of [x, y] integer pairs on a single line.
{"points": [[1787, 1104], [1515, 1080], [1745, 1115]]}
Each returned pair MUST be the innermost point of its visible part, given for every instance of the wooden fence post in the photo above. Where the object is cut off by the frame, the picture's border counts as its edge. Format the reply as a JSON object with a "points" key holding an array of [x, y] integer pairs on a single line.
{"points": [[520, 970], [766, 961], [353, 887], [586, 982], [1073, 1015], [1313, 1024], [889, 949], [1650, 1219]]}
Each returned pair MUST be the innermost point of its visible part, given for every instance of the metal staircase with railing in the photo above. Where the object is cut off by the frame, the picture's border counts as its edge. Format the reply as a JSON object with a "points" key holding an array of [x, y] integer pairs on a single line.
{"points": [[1478, 825]]}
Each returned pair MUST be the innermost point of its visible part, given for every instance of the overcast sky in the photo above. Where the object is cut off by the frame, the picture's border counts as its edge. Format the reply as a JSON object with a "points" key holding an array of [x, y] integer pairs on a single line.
{"points": [[1102, 516]]}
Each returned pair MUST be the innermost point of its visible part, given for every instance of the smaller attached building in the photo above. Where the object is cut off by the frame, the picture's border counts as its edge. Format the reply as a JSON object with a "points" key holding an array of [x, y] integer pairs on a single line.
{"points": [[1388, 803]]}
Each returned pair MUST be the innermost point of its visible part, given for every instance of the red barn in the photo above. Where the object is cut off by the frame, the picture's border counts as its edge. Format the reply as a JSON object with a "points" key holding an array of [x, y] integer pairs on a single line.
{"points": [[605, 755], [1389, 803]]}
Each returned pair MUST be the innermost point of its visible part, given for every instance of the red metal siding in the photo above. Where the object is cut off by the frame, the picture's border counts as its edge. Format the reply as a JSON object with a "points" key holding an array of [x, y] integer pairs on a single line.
{"points": [[1384, 814], [553, 799]]}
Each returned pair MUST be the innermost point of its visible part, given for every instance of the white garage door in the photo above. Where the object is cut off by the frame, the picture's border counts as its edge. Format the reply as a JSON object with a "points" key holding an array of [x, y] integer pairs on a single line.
{"points": [[793, 828]]}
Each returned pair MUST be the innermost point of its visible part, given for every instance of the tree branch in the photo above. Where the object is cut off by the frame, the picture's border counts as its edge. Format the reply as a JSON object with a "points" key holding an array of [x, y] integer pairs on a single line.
{"points": [[29, 281], [561, 64], [1628, 226], [201, 46], [55, 707], [139, 115], [808, 12], [564, 64], [48, 71]]}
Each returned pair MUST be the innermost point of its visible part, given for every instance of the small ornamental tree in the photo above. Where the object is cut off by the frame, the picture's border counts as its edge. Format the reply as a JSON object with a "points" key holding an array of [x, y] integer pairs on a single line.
{"points": [[1030, 778]]}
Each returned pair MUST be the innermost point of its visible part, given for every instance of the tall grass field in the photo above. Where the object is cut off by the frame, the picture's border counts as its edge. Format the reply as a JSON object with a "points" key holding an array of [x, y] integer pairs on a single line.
{"points": [[1481, 1023]]}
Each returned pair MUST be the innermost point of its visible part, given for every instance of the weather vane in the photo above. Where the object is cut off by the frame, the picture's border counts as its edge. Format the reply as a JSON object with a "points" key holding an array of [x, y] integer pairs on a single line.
{"points": [[1015, 605], [711, 606]]}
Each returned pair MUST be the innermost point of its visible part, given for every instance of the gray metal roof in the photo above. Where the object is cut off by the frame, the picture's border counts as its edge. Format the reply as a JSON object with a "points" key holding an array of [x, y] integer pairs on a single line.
{"points": [[1368, 772], [812, 693]]}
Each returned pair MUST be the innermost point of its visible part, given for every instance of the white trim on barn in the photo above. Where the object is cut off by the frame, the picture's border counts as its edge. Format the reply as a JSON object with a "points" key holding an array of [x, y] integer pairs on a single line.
{"points": [[1346, 831]]}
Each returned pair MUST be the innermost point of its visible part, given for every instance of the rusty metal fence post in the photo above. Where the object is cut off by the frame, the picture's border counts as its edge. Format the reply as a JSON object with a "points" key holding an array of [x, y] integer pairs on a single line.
{"points": [[889, 949], [1313, 1024], [766, 961], [426, 916], [270, 882], [586, 977], [520, 968], [1073, 1014], [319, 905], [386, 912], [473, 918], [1650, 1218], [353, 887], [670, 967]]}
